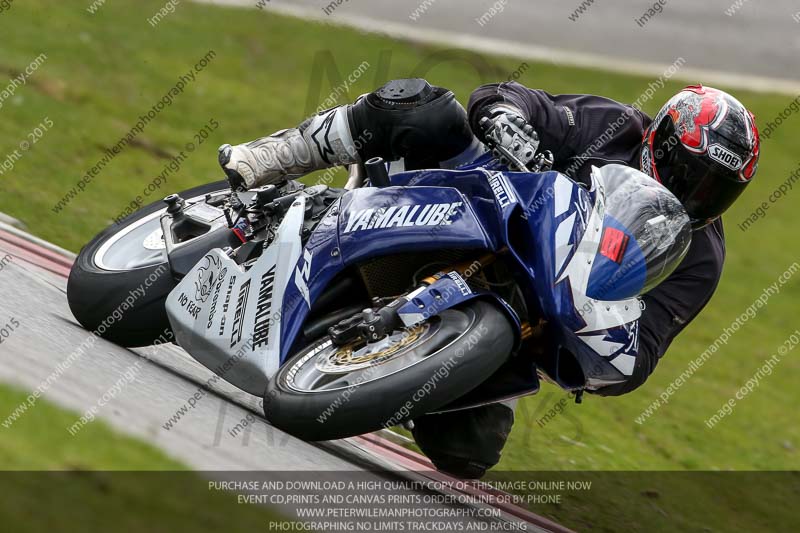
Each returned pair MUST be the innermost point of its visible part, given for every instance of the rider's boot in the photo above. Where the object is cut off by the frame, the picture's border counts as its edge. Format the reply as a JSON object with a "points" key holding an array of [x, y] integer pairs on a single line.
{"points": [[320, 142]]}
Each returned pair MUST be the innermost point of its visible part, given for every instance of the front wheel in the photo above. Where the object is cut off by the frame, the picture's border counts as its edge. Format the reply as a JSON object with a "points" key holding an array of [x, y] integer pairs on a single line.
{"points": [[328, 392], [121, 279]]}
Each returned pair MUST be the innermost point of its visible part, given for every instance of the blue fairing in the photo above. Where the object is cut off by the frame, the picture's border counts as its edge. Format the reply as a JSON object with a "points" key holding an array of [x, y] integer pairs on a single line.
{"points": [[563, 220], [545, 221], [537, 251], [372, 222], [610, 282]]}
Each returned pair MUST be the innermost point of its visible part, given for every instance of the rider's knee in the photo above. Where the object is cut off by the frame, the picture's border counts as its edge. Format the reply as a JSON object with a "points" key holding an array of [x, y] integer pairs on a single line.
{"points": [[411, 119]]}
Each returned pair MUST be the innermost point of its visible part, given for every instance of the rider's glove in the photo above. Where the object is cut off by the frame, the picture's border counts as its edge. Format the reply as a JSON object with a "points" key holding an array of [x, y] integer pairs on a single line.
{"points": [[508, 129]]}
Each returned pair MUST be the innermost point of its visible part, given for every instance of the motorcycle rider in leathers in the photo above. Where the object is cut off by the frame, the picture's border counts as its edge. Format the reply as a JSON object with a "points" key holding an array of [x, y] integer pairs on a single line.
{"points": [[416, 125]]}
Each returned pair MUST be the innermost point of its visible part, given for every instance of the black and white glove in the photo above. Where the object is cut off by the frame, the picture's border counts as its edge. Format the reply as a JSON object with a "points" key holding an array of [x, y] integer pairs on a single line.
{"points": [[508, 133]]}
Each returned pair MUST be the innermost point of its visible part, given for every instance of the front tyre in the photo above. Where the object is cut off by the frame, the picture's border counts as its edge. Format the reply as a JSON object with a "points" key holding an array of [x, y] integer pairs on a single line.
{"points": [[328, 392], [120, 280]]}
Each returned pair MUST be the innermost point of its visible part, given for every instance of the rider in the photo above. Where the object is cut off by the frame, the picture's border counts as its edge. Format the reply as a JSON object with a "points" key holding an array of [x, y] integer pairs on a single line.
{"points": [[703, 145]]}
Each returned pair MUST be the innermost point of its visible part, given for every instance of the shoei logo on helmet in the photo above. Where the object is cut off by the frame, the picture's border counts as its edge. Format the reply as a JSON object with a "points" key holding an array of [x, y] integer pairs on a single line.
{"points": [[722, 155]]}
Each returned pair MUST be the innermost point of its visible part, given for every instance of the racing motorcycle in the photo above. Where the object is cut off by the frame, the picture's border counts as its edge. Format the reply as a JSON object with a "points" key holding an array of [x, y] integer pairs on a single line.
{"points": [[348, 310]]}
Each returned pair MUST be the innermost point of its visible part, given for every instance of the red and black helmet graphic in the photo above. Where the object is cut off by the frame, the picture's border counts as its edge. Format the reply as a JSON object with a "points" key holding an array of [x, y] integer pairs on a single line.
{"points": [[704, 147]]}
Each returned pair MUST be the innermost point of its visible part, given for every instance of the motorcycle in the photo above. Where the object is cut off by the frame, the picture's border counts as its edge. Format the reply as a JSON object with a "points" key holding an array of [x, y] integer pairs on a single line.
{"points": [[350, 310]]}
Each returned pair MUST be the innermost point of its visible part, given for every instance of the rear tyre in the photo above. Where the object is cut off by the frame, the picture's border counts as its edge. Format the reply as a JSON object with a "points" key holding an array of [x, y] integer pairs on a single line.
{"points": [[325, 392], [115, 266]]}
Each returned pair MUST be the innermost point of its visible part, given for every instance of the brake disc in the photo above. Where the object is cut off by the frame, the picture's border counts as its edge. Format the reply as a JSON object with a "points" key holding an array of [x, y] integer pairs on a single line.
{"points": [[358, 354]]}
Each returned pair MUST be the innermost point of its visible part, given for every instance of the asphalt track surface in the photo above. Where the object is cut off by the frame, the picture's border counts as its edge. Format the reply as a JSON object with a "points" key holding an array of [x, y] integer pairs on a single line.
{"points": [[755, 47], [33, 293]]}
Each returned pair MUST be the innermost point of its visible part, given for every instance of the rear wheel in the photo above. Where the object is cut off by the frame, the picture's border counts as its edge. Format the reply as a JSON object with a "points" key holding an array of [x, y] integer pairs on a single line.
{"points": [[329, 392], [125, 263]]}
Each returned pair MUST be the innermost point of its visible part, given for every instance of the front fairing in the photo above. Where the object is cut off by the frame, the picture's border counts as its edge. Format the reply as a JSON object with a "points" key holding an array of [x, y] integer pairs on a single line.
{"points": [[566, 227], [226, 316], [553, 227], [371, 222]]}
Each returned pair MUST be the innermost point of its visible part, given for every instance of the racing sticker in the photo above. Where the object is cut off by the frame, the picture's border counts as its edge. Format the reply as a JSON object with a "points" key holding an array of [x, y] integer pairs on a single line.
{"points": [[189, 305], [225, 306], [460, 283], [207, 276], [402, 216], [613, 244], [502, 191], [238, 317], [301, 275], [263, 308], [217, 290]]}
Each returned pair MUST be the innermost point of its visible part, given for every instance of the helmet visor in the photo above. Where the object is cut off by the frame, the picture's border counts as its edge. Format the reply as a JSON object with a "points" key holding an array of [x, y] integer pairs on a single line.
{"points": [[704, 189]]}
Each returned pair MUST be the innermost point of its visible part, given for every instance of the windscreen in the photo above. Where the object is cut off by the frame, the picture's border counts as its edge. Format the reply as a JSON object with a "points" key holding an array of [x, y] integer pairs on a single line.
{"points": [[646, 233]]}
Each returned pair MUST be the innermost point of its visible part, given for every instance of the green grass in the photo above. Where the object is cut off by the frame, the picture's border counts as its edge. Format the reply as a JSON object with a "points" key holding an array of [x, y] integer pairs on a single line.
{"points": [[102, 481], [269, 72]]}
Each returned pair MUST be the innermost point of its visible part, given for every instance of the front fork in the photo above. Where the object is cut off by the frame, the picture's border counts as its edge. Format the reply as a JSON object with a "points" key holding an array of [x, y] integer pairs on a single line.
{"points": [[441, 291]]}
